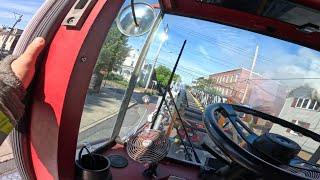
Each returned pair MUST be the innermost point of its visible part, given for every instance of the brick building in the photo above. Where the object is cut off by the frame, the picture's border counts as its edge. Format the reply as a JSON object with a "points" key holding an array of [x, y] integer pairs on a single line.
{"points": [[262, 94]]}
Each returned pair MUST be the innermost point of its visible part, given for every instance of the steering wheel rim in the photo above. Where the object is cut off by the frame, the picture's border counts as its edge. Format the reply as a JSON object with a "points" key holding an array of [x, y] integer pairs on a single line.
{"points": [[241, 155]]}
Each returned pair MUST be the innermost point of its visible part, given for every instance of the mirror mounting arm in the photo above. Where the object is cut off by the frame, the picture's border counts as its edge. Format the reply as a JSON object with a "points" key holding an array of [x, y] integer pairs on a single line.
{"points": [[134, 13]]}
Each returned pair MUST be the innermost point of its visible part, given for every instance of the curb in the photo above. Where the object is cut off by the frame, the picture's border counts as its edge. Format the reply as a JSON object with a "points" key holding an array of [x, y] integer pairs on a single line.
{"points": [[103, 119]]}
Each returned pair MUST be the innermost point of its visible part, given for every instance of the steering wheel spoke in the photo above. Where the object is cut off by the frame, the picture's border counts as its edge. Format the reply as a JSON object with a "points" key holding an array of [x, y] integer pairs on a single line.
{"points": [[239, 126], [268, 155]]}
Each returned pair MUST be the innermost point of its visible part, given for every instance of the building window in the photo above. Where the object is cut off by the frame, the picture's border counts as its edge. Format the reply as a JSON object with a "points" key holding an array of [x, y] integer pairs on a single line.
{"points": [[299, 103], [317, 106], [312, 104], [236, 78], [299, 123], [231, 79], [305, 103]]}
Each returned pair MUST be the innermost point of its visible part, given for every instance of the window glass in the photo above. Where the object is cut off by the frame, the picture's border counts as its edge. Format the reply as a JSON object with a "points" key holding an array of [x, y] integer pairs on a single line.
{"points": [[305, 103], [269, 85], [299, 103], [236, 79], [317, 108], [312, 104], [108, 84]]}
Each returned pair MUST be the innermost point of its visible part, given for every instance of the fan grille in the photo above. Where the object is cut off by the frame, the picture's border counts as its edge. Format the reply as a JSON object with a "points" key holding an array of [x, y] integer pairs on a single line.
{"points": [[148, 146]]}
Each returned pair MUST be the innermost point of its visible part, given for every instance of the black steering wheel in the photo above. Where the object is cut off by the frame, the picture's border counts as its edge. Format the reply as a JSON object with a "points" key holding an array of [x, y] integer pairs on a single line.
{"points": [[268, 155]]}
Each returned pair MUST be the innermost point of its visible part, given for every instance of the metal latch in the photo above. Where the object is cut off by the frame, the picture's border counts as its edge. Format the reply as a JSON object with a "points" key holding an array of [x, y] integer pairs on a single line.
{"points": [[78, 13]]}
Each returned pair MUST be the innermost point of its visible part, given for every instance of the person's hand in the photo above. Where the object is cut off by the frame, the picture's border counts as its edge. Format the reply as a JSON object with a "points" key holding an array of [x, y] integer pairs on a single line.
{"points": [[24, 66]]}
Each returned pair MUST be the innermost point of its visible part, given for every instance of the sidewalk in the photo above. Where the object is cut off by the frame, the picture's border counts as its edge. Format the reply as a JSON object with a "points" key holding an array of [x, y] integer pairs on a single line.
{"points": [[94, 112]]}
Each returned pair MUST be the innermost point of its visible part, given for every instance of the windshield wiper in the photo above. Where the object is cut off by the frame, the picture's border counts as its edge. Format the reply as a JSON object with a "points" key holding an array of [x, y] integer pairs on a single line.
{"points": [[188, 155], [167, 90], [184, 128]]}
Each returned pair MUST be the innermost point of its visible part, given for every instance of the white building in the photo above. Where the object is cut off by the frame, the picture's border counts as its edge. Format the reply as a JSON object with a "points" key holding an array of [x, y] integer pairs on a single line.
{"points": [[300, 109], [12, 40], [128, 64]]}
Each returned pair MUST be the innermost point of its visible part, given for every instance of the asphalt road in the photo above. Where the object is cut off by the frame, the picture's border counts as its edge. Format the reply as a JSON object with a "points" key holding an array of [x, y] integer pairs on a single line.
{"points": [[136, 115]]}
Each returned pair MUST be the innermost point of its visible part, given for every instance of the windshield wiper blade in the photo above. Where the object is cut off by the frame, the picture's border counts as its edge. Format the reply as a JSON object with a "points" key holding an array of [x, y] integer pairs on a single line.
{"points": [[184, 128], [188, 155]]}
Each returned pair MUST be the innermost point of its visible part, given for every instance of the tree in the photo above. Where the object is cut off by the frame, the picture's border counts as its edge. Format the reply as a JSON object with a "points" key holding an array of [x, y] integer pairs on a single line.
{"points": [[112, 54], [206, 85], [163, 75]]}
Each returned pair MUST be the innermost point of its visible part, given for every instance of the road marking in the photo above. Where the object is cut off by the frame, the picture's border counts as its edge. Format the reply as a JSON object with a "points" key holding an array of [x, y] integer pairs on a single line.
{"points": [[197, 102]]}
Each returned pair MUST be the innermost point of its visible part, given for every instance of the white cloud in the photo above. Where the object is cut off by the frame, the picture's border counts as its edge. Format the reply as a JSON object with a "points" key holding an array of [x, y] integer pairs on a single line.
{"points": [[203, 51], [304, 64]]}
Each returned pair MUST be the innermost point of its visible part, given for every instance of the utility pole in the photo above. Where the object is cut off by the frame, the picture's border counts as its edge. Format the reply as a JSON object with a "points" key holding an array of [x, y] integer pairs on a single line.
{"points": [[10, 32], [250, 75], [163, 39]]}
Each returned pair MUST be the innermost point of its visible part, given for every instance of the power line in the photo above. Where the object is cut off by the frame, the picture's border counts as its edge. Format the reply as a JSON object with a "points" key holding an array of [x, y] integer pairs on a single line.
{"points": [[210, 58], [182, 68], [264, 79], [283, 79], [260, 79], [226, 45]]}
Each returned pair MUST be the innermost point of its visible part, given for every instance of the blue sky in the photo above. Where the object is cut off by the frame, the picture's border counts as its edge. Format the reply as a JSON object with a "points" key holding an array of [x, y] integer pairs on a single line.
{"points": [[210, 47], [25, 7], [213, 48]]}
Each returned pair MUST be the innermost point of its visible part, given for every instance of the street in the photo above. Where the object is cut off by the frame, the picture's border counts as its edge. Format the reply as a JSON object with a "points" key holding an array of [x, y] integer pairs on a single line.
{"points": [[101, 112]]}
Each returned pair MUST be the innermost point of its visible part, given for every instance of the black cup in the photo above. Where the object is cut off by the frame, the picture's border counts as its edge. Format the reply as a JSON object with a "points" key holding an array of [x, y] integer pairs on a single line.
{"points": [[92, 166]]}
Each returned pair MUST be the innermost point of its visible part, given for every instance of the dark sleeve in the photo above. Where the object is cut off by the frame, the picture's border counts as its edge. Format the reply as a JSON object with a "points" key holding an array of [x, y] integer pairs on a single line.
{"points": [[11, 92]]}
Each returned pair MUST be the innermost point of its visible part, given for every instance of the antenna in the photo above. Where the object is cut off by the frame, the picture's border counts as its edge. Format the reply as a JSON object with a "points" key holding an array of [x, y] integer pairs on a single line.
{"points": [[168, 85]]}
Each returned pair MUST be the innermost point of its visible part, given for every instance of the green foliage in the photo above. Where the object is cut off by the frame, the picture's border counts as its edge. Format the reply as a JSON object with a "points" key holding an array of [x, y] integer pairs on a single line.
{"points": [[114, 77], [163, 75], [123, 82], [207, 86], [113, 52]]}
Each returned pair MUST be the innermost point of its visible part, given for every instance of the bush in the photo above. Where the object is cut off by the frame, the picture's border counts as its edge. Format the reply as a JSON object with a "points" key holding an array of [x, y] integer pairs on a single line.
{"points": [[114, 77], [123, 82]]}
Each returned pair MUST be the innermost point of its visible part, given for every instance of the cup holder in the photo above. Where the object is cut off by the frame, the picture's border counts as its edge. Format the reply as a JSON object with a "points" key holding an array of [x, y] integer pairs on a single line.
{"points": [[92, 166]]}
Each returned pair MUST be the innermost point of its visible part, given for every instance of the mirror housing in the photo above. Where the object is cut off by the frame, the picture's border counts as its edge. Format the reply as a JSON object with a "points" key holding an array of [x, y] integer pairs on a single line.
{"points": [[141, 13]]}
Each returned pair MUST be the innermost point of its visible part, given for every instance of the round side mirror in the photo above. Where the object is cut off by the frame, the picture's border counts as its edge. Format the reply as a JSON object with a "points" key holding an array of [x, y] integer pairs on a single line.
{"points": [[136, 20]]}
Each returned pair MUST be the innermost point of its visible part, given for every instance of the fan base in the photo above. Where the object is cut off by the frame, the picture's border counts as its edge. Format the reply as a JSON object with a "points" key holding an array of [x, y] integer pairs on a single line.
{"points": [[151, 171]]}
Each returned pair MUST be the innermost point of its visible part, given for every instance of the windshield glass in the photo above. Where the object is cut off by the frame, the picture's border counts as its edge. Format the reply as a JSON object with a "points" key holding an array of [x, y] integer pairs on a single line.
{"points": [[226, 64], [218, 64]]}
